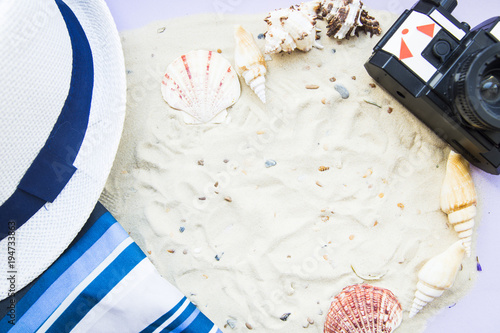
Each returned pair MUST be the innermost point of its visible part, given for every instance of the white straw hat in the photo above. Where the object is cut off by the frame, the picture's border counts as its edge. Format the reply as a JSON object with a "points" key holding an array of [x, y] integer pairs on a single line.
{"points": [[62, 108]]}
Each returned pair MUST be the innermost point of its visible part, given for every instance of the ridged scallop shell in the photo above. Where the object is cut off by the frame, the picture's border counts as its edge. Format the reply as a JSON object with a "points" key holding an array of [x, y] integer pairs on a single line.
{"points": [[203, 85], [250, 62], [290, 29], [458, 198], [364, 308], [437, 275], [347, 17]]}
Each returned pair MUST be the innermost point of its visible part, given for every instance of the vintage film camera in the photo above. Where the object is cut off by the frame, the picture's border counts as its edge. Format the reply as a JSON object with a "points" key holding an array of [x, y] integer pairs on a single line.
{"points": [[447, 75]]}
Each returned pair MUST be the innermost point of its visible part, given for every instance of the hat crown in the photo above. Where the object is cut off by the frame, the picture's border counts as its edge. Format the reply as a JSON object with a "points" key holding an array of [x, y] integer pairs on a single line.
{"points": [[38, 40], [34, 76]]}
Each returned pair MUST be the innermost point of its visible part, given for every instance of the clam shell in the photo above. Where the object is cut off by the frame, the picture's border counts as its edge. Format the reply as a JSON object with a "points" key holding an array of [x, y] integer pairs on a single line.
{"points": [[437, 275], [202, 84], [459, 199], [250, 62], [364, 308]]}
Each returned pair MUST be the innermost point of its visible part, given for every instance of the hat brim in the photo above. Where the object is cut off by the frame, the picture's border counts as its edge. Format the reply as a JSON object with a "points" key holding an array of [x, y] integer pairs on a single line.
{"points": [[41, 240]]}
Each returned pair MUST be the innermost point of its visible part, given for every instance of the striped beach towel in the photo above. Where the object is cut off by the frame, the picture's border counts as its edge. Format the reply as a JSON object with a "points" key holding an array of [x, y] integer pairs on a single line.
{"points": [[102, 283]]}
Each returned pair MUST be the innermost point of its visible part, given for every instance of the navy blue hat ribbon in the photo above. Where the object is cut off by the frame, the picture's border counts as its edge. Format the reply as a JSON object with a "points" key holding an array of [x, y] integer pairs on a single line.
{"points": [[53, 167]]}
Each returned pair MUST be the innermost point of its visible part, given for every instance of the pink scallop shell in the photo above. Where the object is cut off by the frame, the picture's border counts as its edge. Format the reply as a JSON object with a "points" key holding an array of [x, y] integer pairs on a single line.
{"points": [[364, 308]]}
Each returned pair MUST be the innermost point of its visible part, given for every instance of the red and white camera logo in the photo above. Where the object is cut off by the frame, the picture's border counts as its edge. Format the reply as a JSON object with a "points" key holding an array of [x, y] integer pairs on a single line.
{"points": [[405, 51], [410, 40]]}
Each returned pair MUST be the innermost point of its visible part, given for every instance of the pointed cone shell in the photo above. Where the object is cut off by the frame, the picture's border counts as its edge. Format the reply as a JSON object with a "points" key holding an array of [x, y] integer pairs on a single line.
{"points": [[364, 308], [250, 62], [202, 84], [458, 198], [437, 275]]}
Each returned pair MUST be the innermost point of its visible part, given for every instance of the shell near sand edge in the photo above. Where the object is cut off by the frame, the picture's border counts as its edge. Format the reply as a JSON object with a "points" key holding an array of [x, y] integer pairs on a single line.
{"points": [[364, 308], [458, 189], [459, 198], [437, 275]]}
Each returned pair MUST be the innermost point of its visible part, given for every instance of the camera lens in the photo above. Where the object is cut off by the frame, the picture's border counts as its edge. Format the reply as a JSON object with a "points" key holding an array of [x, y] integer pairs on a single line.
{"points": [[477, 89], [490, 89]]}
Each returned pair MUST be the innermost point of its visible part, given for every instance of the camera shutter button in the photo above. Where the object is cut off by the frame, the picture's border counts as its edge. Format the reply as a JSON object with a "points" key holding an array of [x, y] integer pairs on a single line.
{"points": [[441, 49]]}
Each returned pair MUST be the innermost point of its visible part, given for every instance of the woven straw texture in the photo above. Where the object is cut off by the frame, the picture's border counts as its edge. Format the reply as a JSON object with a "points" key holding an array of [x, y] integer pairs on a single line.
{"points": [[36, 72]]}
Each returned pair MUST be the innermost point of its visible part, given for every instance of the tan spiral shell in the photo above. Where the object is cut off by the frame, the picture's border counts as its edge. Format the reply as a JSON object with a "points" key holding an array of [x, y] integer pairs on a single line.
{"points": [[459, 199], [250, 62], [364, 308]]}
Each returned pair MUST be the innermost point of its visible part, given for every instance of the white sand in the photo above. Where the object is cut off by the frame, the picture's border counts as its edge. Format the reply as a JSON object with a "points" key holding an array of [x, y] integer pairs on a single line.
{"points": [[288, 239]]}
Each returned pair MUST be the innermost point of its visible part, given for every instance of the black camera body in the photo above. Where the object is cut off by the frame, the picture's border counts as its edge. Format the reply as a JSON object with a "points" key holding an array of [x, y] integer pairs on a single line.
{"points": [[448, 75]]}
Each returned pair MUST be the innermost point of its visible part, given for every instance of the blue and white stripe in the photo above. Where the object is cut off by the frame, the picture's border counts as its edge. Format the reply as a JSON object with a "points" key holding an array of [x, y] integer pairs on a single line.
{"points": [[105, 283]]}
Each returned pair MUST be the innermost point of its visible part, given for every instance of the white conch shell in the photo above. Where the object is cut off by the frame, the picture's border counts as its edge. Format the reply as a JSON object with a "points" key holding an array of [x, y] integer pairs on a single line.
{"points": [[290, 29], [346, 17], [458, 198], [250, 62], [437, 275], [311, 8], [203, 85]]}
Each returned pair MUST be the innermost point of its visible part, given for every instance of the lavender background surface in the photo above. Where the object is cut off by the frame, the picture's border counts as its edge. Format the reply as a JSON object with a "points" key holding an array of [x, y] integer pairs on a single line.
{"points": [[479, 310]]}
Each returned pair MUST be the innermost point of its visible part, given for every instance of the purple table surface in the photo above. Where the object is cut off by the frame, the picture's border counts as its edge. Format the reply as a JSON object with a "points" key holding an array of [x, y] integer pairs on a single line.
{"points": [[478, 310]]}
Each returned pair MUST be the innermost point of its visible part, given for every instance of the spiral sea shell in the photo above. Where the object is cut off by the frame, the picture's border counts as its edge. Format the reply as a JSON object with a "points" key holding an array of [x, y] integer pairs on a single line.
{"points": [[202, 84], [364, 308], [437, 275], [458, 198], [250, 63], [347, 17]]}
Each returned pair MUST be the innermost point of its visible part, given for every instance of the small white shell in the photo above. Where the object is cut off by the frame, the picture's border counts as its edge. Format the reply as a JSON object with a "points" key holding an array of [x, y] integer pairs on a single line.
{"points": [[250, 63], [459, 199], [437, 275], [290, 29], [202, 84]]}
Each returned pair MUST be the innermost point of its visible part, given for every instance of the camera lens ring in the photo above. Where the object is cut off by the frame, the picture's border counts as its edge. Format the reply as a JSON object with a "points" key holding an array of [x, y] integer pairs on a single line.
{"points": [[477, 87]]}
